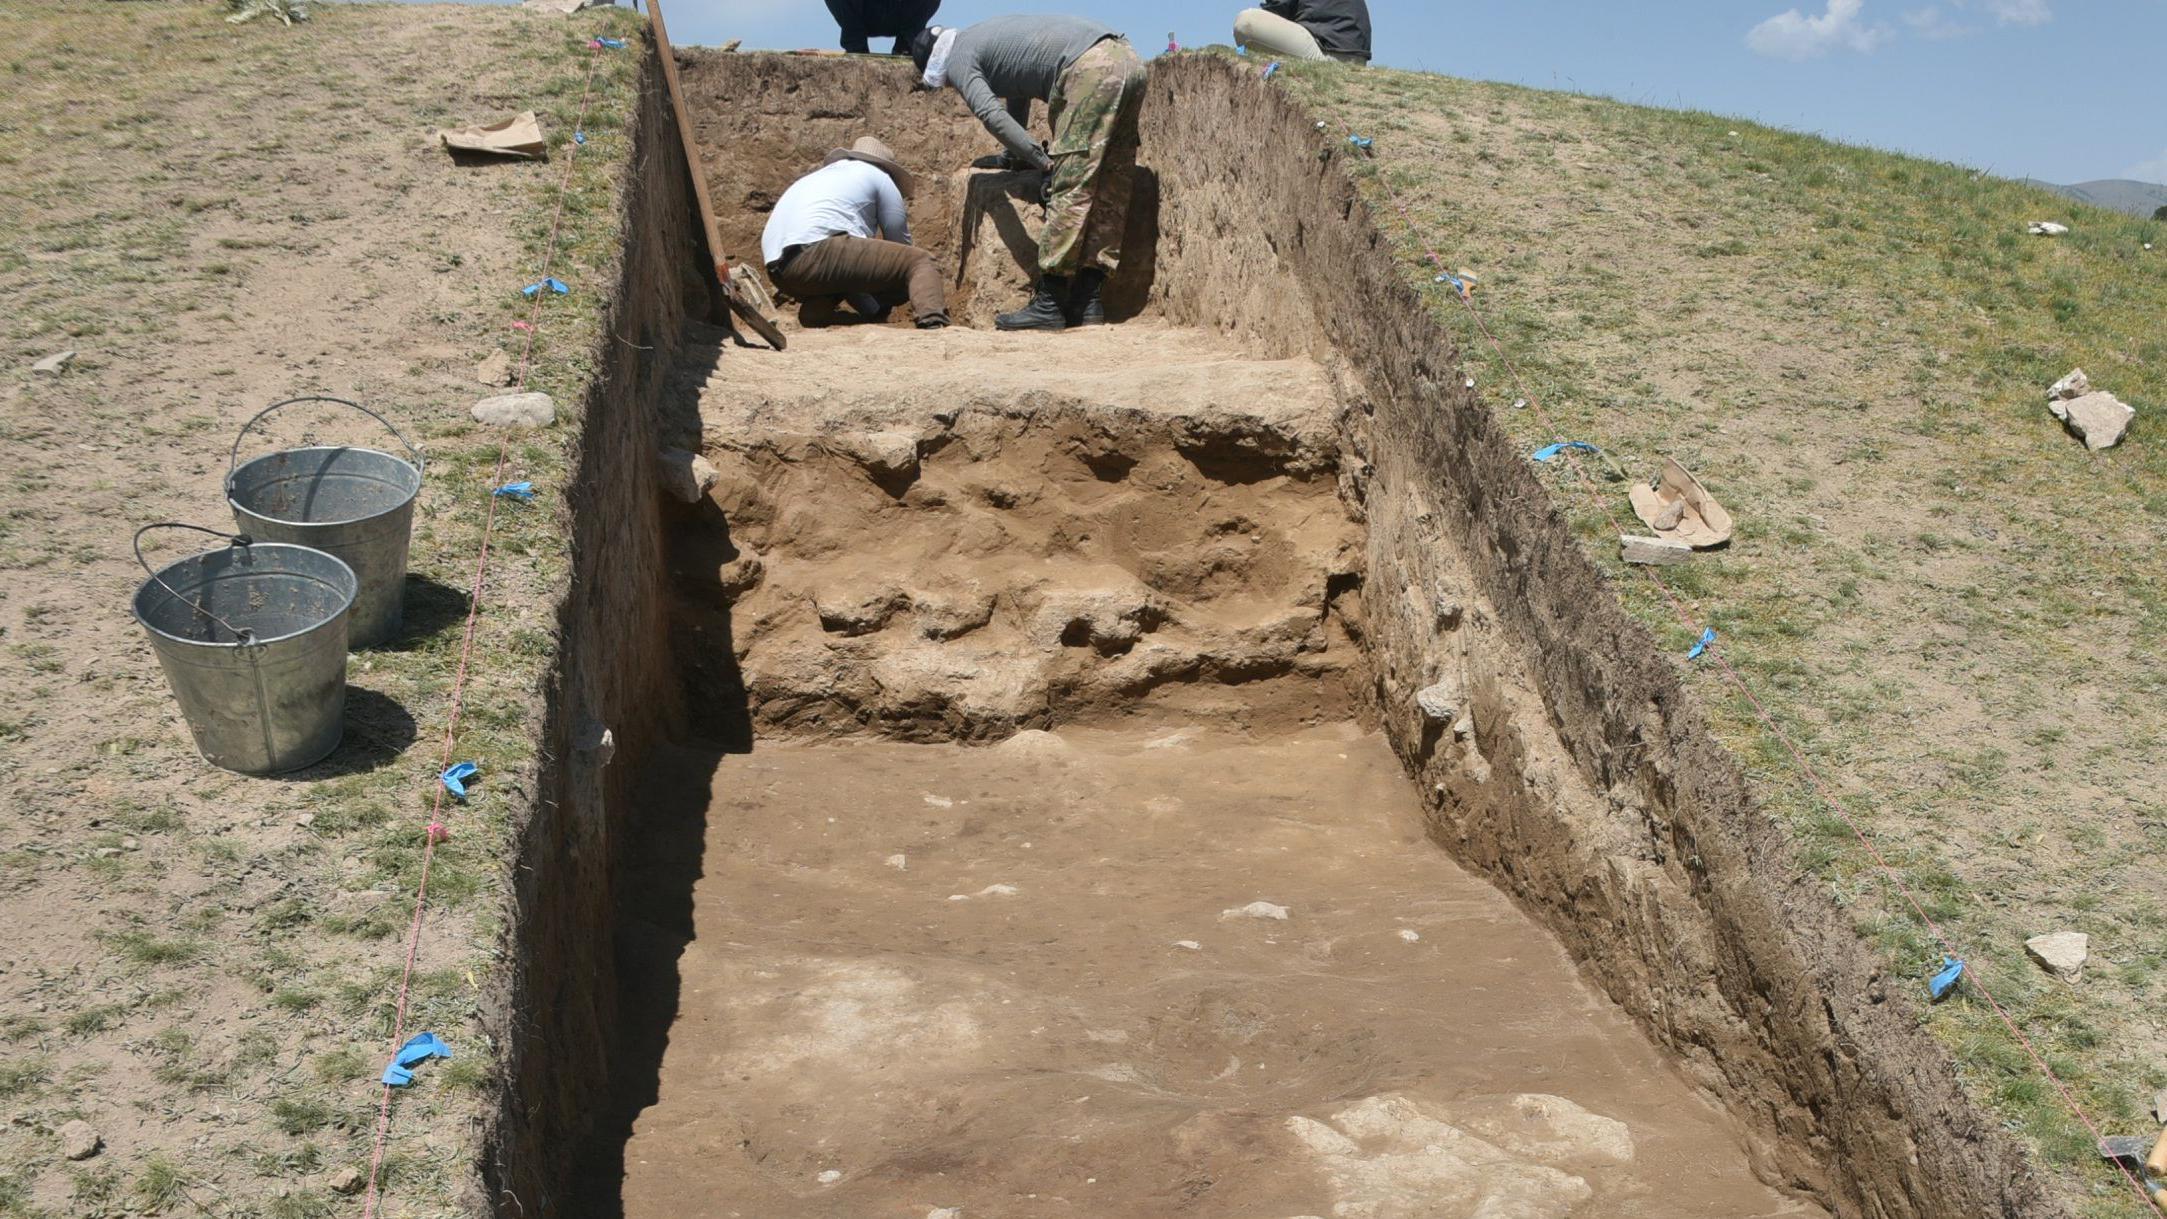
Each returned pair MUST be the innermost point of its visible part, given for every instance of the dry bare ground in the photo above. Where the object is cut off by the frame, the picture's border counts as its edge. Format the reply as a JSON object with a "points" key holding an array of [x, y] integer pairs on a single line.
{"points": [[215, 217]]}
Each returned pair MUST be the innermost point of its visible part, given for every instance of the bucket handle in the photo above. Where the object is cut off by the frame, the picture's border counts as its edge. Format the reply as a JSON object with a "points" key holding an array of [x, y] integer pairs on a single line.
{"points": [[238, 540], [233, 459]]}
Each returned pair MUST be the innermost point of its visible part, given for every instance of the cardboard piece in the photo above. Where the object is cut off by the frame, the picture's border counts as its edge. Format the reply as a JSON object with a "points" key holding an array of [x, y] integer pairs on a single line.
{"points": [[518, 136], [1678, 509]]}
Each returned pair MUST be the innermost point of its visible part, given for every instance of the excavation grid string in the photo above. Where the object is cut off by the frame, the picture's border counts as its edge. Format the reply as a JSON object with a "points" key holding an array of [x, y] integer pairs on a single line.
{"points": [[434, 831], [1768, 721]]}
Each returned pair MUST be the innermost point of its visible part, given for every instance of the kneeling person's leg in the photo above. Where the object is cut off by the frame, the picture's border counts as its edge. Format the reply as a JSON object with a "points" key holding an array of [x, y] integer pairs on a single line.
{"points": [[884, 270], [1275, 35]]}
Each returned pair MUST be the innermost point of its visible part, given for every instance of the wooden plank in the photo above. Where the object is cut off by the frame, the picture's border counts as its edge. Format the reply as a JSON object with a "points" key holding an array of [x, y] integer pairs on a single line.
{"points": [[745, 310]]}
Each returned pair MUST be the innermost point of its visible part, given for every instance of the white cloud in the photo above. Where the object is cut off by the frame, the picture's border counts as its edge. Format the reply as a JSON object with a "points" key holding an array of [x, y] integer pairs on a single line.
{"points": [[1794, 35], [1931, 22], [2154, 170], [2020, 12]]}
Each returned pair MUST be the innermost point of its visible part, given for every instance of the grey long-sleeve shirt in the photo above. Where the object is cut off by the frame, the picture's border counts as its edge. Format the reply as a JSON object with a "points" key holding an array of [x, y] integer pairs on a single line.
{"points": [[1002, 65]]}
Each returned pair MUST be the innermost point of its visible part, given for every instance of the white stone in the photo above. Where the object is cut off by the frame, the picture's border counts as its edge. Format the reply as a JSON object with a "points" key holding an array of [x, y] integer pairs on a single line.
{"points": [[829, 1177], [1256, 910], [945, 1212], [885, 455], [524, 410], [1410, 935], [898, 862], [347, 1181], [1439, 702], [999, 891], [2099, 419], [596, 738], [2075, 385], [2046, 228], [54, 364], [2061, 953], [1191, 945], [686, 476], [1654, 552], [79, 1140]]}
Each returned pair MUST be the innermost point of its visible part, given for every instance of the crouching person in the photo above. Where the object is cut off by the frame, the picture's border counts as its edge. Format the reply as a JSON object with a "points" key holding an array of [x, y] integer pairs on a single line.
{"points": [[1093, 85], [841, 233], [1307, 29]]}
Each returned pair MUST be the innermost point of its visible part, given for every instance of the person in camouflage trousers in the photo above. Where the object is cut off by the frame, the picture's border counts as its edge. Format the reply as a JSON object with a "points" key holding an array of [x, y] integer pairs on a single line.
{"points": [[1093, 112], [1093, 85]]}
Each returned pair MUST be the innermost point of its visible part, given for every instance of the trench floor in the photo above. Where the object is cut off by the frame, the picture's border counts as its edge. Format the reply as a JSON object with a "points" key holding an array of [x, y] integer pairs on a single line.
{"points": [[1007, 980], [1177, 944]]}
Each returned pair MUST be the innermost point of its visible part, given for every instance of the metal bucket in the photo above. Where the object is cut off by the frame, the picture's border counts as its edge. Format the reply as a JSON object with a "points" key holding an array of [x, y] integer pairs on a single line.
{"points": [[357, 504], [253, 642]]}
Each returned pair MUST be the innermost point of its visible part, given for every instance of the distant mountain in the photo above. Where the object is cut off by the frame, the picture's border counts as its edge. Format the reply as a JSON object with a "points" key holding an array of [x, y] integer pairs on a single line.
{"points": [[2117, 194]]}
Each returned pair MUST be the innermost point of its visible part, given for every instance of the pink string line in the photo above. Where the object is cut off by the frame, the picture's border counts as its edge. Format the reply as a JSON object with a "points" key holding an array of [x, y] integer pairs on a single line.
{"points": [[1768, 721], [435, 830]]}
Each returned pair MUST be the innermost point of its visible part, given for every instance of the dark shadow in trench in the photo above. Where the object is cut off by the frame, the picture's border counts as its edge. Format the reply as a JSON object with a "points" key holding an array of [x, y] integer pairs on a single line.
{"points": [[663, 851]]}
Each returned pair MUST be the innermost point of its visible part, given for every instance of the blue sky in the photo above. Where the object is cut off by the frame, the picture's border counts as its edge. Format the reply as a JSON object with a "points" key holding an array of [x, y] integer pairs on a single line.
{"points": [[2066, 90]]}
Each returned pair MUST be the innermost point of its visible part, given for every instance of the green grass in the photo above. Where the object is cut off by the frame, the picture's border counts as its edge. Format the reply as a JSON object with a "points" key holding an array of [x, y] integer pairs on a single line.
{"points": [[1953, 609]]}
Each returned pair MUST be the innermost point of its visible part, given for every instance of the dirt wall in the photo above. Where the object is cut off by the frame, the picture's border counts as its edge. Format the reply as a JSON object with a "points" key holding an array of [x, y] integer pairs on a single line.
{"points": [[1571, 766], [551, 1016]]}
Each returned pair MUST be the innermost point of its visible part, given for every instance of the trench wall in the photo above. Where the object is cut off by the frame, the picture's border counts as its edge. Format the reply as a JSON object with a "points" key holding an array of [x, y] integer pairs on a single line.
{"points": [[1576, 771], [552, 1016]]}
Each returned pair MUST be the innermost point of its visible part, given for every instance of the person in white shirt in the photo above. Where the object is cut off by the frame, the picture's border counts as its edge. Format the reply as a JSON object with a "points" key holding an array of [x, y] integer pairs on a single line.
{"points": [[841, 233]]}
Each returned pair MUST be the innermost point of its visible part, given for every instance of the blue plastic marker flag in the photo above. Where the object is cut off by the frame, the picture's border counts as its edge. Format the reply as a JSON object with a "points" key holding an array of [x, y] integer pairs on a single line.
{"points": [[1707, 641], [1549, 452], [523, 492], [1271, 69], [1360, 141], [1952, 972], [614, 44], [579, 137], [455, 778], [419, 1048], [1458, 285], [550, 282]]}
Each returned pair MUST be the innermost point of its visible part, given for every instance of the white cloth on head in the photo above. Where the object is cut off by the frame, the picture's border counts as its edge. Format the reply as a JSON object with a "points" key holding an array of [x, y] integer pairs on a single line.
{"points": [[846, 199], [936, 64]]}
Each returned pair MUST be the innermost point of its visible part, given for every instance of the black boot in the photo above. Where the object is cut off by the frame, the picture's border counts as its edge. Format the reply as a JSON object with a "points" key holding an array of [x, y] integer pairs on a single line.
{"points": [[1084, 306], [1045, 312]]}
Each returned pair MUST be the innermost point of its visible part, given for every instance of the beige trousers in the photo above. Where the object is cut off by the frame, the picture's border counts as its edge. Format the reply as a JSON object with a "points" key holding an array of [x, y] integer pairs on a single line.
{"points": [[1271, 34]]}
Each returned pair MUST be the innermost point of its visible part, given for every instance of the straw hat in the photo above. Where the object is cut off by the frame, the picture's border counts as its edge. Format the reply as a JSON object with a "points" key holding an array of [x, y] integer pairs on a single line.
{"points": [[873, 152]]}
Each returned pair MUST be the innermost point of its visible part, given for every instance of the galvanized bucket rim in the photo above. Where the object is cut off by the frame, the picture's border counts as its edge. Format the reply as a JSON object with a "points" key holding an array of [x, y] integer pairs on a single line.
{"points": [[419, 465], [234, 473], [158, 579]]}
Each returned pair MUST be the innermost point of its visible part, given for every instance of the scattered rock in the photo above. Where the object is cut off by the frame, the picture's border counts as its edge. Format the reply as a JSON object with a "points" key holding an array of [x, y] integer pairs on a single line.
{"points": [[1256, 910], [130, 844], [1654, 552], [898, 862], [988, 891], [2099, 419], [79, 1141], [829, 1177], [859, 611], [1464, 727], [1439, 702], [305, 820], [531, 409], [741, 575], [54, 364], [2046, 228], [2075, 385], [2061, 953], [2159, 1106], [595, 738], [1191, 945], [1410, 935], [951, 613], [890, 457], [685, 475], [347, 1181]]}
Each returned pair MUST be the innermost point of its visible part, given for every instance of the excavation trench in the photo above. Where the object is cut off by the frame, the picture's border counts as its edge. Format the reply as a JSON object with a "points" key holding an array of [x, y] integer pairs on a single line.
{"points": [[1178, 768]]}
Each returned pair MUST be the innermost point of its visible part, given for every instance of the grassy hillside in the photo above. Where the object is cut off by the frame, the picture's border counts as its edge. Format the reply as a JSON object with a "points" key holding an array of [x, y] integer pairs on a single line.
{"points": [[215, 217], [1956, 610]]}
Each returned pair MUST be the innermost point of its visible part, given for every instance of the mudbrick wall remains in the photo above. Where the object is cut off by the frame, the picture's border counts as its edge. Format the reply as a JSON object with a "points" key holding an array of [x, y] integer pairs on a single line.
{"points": [[1571, 764], [551, 1014]]}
